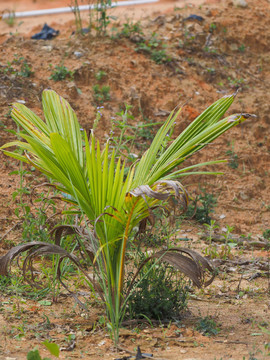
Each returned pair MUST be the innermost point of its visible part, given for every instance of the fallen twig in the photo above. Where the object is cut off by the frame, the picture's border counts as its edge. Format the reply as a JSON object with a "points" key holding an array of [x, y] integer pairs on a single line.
{"points": [[237, 239], [12, 228], [230, 342]]}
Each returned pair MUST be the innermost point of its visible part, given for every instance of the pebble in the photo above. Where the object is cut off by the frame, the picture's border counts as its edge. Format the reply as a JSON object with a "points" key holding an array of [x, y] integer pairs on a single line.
{"points": [[47, 48], [102, 342], [233, 47], [78, 54], [243, 196], [240, 3]]}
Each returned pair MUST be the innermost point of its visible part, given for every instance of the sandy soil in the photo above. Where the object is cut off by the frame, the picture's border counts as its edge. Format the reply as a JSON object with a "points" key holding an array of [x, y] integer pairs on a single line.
{"points": [[228, 50]]}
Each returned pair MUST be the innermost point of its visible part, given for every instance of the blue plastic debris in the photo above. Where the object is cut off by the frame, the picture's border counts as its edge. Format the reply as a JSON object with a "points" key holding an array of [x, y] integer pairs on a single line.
{"points": [[46, 33], [194, 17]]}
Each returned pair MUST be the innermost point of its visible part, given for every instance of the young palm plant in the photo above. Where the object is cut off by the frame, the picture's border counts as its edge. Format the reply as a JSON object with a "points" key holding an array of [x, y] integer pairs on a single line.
{"points": [[112, 202]]}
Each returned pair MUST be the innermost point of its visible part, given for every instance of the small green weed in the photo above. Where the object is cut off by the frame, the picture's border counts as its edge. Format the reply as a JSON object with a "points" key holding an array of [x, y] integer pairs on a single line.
{"points": [[26, 69], [101, 93], [100, 75], [229, 244], [155, 48], [35, 355], [266, 234], [160, 56], [210, 50], [60, 73], [130, 29], [242, 48], [213, 27], [207, 326], [145, 131], [51, 347], [223, 251], [211, 250], [201, 207], [10, 19], [15, 286], [18, 67], [233, 160], [235, 83]]}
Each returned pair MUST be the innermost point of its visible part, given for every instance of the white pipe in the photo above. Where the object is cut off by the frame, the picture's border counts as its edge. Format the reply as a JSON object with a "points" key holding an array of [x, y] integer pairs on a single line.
{"points": [[70, 9]]}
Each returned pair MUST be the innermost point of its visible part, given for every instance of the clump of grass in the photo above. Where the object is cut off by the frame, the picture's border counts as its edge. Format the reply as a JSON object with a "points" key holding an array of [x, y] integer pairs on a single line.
{"points": [[207, 326], [155, 48], [101, 93], [130, 29], [60, 73], [100, 75], [266, 234], [19, 66], [233, 160]]}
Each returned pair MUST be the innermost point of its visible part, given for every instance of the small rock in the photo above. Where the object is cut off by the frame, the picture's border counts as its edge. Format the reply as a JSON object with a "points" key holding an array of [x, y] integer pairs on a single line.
{"points": [[78, 54], [126, 332], [72, 89], [240, 3], [243, 196], [102, 342], [198, 28], [47, 48], [136, 38], [21, 101], [222, 216], [170, 27], [160, 20], [233, 47], [134, 93], [190, 27]]}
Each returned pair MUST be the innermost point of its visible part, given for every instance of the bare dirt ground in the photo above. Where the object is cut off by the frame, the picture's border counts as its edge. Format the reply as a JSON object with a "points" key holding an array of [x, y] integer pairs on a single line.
{"points": [[226, 51]]}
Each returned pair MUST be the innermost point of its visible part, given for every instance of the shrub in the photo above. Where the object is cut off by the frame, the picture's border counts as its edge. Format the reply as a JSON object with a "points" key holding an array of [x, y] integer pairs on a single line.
{"points": [[161, 285]]}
